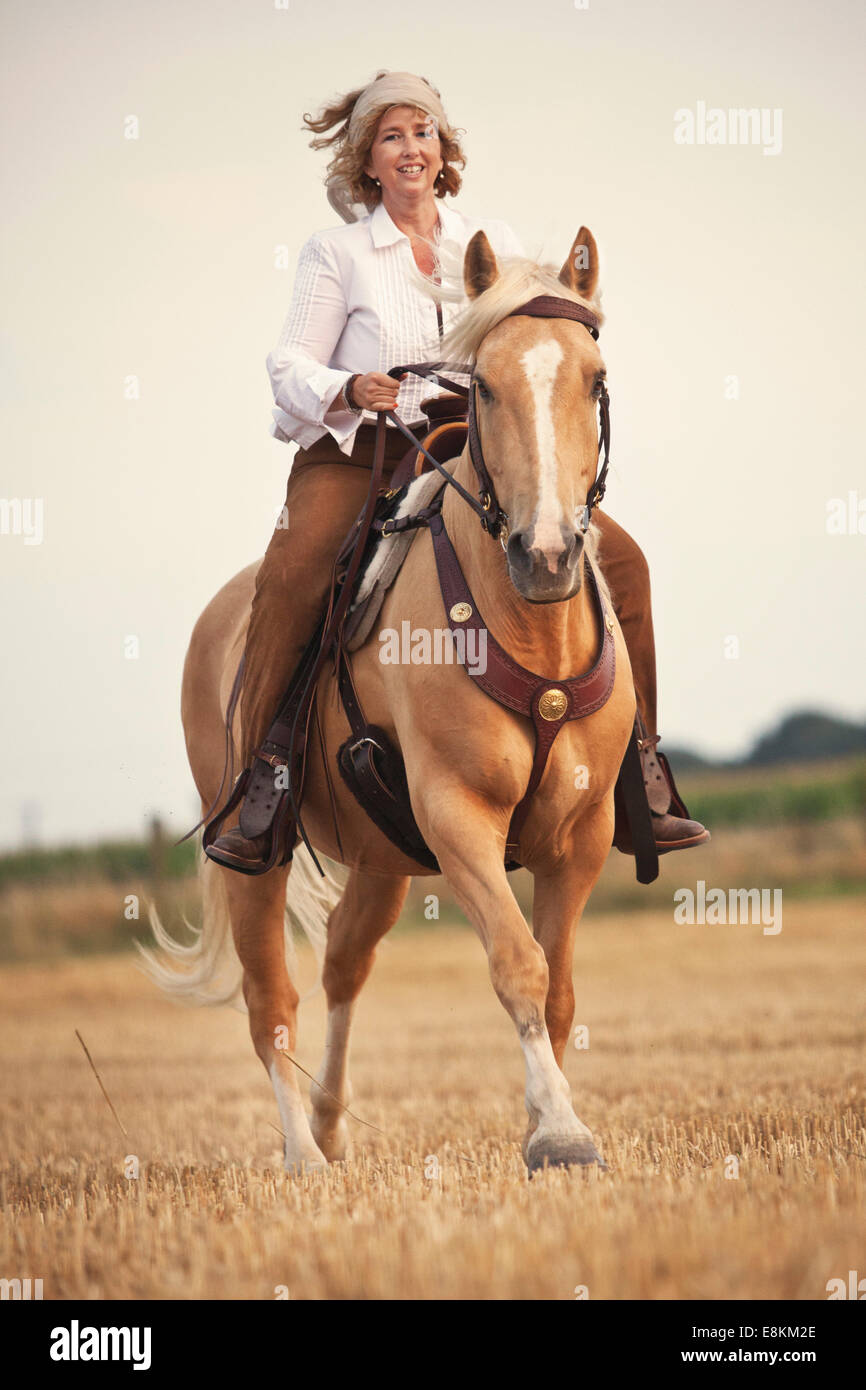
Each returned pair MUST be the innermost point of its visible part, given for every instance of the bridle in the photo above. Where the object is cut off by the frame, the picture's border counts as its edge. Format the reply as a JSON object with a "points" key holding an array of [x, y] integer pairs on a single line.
{"points": [[493, 518]]}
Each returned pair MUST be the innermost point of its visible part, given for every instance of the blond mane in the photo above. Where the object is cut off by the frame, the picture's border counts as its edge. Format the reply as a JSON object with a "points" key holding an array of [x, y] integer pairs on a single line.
{"points": [[520, 278]]}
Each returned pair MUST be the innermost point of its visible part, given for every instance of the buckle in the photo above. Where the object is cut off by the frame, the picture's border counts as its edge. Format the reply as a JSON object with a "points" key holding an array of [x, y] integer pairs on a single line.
{"points": [[365, 738], [273, 760]]}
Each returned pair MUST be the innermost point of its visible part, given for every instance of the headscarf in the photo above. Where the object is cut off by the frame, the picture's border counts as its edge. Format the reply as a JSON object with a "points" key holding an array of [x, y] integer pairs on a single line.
{"points": [[394, 89]]}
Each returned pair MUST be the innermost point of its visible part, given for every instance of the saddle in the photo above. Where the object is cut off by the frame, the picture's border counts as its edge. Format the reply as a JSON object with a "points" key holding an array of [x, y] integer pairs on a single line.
{"points": [[371, 767]]}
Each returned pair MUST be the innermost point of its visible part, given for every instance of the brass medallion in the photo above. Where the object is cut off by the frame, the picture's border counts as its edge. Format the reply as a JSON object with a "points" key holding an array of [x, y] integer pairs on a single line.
{"points": [[608, 622], [552, 705], [460, 612]]}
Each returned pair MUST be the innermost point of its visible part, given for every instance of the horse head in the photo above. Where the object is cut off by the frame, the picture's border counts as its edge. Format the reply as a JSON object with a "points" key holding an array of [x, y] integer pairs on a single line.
{"points": [[538, 381]]}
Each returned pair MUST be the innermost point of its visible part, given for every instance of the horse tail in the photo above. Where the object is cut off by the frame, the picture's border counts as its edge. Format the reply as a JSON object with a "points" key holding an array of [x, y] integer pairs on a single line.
{"points": [[207, 970], [310, 900]]}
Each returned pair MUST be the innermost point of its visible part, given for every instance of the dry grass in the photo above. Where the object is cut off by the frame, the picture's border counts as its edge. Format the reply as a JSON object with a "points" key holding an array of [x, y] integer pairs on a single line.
{"points": [[48, 921], [705, 1042], [73, 910]]}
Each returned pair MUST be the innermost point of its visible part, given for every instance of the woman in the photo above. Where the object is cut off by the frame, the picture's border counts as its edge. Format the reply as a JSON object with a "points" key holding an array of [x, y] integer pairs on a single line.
{"points": [[356, 311]]}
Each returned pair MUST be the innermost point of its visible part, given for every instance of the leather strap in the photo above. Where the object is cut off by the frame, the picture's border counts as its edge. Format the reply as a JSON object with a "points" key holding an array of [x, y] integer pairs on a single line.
{"points": [[493, 518], [550, 704], [505, 680], [630, 788], [551, 306], [263, 797]]}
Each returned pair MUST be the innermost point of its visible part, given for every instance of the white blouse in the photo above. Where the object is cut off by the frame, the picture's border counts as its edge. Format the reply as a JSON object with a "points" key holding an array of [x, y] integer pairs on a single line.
{"points": [[355, 309]]}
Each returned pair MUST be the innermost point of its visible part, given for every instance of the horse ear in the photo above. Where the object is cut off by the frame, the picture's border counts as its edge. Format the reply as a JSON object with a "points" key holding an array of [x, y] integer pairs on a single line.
{"points": [[479, 266], [580, 271]]}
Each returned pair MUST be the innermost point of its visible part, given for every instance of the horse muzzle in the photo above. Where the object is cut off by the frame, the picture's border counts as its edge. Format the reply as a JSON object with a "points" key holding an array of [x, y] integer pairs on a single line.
{"points": [[545, 575]]}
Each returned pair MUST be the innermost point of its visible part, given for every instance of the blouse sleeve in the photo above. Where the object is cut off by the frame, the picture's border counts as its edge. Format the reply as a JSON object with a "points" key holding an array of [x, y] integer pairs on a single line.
{"points": [[304, 386]]}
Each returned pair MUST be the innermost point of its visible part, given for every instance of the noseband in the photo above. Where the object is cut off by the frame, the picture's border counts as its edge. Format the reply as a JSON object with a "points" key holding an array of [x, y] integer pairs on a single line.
{"points": [[493, 519]]}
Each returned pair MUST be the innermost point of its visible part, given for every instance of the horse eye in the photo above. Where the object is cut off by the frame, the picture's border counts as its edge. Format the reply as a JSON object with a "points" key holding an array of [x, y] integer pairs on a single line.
{"points": [[483, 392]]}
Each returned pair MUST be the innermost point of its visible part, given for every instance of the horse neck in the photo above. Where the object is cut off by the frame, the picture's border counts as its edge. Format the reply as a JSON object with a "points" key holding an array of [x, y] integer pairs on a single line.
{"points": [[556, 640]]}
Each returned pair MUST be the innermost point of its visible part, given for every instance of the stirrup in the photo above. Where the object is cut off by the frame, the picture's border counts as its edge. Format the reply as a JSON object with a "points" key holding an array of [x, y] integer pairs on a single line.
{"points": [[663, 801], [280, 824]]}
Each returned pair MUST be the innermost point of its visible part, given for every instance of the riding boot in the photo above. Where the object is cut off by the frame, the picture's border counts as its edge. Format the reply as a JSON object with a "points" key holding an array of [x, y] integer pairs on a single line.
{"points": [[267, 831], [672, 826], [235, 851], [254, 854]]}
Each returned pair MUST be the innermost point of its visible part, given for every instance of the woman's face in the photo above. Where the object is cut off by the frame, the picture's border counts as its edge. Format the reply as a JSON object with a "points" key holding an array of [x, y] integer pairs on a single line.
{"points": [[405, 156]]}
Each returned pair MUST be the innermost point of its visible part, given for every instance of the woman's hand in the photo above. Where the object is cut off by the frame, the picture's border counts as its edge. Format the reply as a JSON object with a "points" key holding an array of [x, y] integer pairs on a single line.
{"points": [[375, 391]]}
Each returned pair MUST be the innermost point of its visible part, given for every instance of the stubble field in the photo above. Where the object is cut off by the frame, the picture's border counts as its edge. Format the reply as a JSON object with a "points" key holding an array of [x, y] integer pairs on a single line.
{"points": [[712, 1051]]}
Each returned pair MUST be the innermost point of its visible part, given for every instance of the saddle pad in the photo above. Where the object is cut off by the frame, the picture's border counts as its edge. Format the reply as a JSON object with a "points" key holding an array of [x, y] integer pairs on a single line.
{"points": [[385, 562]]}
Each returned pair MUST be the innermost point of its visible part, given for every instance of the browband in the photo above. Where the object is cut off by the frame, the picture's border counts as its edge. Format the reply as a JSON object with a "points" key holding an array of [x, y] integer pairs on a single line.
{"points": [[550, 306]]}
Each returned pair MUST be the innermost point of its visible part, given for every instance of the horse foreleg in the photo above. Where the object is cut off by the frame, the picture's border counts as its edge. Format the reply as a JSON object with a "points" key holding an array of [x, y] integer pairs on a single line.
{"points": [[369, 907], [257, 907], [558, 902], [471, 860]]}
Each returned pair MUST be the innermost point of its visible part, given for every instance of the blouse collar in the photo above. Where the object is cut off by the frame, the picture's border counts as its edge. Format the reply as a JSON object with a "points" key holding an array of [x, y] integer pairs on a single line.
{"points": [[385, 232]]}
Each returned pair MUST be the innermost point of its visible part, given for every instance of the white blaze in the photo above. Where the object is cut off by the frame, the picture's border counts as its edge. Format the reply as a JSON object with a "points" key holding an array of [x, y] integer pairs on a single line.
{"points": [[540, 364]]}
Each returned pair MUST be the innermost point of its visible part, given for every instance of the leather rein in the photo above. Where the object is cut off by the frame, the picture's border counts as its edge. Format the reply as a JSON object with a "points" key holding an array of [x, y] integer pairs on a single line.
{"points": [[493, 519]]}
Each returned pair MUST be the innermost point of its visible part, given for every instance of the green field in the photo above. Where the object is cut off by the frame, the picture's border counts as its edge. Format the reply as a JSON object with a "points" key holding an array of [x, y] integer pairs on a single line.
{"points": [[800, 828]]}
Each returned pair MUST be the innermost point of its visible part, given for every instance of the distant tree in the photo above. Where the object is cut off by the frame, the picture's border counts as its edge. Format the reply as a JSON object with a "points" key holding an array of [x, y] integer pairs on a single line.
{"points": [[808, 735]]}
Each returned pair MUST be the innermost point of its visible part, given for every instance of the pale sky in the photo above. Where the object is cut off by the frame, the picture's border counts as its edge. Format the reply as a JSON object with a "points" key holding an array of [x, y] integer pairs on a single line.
{"points": [[155, 257]]}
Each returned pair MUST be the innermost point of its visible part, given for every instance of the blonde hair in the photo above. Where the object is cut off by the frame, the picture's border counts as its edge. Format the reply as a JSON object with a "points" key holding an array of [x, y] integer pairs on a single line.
{"points": [[347, 165]]}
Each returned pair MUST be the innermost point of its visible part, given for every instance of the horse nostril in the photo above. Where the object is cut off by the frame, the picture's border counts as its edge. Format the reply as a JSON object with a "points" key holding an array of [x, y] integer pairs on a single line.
{"points": [[518, 545], [573, 545]]}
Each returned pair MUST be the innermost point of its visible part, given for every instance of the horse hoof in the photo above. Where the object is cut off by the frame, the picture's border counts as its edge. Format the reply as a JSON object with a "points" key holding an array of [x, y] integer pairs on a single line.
{"points": [[302, 1167], [333, 1140], [562, 1151], [336, 1150]]}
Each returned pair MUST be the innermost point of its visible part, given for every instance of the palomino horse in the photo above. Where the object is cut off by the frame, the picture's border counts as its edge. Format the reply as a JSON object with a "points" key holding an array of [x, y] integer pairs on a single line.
{"points": [[468, 759]]}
